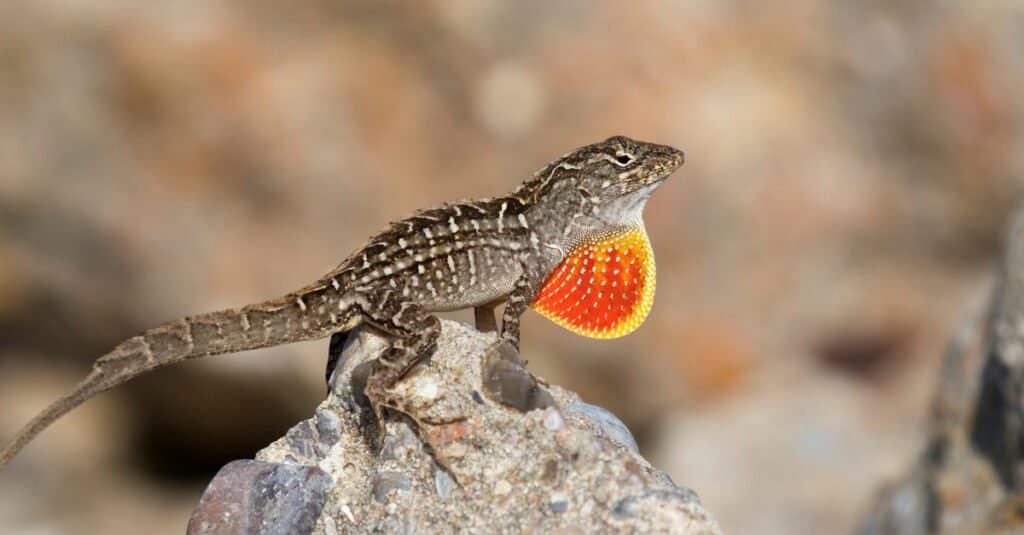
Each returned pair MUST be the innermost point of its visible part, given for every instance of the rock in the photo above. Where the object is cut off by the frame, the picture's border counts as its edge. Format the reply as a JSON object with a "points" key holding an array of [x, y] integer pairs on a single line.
{"points": [[610, 424], [970, 475], [258, 497], [453, 459]]}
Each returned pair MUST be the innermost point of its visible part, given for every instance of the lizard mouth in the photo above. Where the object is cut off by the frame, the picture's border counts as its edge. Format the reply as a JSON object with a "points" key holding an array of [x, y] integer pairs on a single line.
{"points": [[672, 159]]}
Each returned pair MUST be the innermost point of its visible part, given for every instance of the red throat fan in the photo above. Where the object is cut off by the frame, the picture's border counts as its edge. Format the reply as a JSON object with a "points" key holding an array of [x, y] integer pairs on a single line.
{"points": [[604, 288]]}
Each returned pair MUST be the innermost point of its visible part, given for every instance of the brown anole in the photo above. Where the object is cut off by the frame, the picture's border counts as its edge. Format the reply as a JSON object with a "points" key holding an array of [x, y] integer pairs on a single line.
{"points": [[569, 241]]}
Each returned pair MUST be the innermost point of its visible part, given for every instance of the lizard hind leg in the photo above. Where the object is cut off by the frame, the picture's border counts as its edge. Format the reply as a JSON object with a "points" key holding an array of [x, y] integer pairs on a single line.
{"points": [[415, 335]]}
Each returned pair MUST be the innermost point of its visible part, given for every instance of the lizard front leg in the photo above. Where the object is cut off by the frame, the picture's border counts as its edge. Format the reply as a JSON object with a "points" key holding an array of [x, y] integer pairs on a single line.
{"points": [[523, 293], [505, 375]]}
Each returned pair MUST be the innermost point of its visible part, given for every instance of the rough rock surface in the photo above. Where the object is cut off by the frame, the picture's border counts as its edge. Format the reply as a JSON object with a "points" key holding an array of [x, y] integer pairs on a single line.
{"points": [[456, 457], [970, 477], [251, 496]]}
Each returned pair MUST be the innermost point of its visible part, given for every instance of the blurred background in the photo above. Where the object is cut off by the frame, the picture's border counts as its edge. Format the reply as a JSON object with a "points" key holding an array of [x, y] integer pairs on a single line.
{"points": [[850, 169]]}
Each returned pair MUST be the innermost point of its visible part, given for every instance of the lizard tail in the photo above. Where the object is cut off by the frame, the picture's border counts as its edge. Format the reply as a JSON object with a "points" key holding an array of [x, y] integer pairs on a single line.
{"points": [[92, 385], [229, 331]]}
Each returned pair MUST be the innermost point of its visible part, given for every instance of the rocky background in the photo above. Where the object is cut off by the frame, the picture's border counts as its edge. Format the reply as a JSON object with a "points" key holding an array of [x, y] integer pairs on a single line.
{"points": [[850, 171]]}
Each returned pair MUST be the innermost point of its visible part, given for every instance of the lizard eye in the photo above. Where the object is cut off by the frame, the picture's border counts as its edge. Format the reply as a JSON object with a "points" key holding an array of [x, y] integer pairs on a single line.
{"points": [[624, 159]]}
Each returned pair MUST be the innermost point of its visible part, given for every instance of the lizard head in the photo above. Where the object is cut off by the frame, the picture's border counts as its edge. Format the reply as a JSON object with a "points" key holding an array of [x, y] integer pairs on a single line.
{"points": [[605, 184], [620, 174]]}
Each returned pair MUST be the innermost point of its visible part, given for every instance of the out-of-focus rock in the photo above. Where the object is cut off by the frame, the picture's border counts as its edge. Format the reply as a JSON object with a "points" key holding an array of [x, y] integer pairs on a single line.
{"points": [[970, 476], [453, 459]]}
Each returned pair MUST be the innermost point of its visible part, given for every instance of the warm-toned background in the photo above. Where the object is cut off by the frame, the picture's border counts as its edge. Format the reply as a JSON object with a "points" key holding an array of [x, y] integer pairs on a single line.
{"points": [[849, 170]]}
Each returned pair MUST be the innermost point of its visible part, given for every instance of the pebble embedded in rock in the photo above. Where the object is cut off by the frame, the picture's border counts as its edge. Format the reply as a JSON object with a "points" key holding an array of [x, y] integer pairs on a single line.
{"points": [[559, 506], [502, 488], [399, 444], [609, 423], [385, 482], [443, 483], [513, 385], [327, 426], [427, 389], [553, 420]]}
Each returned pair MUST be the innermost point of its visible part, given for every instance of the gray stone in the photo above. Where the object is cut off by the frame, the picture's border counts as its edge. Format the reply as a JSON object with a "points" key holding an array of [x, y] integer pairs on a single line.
{"points": [[454, 460], [327, 427], [249, 497], [610, 424], [385, 482], [444, 484], [969, 477]]}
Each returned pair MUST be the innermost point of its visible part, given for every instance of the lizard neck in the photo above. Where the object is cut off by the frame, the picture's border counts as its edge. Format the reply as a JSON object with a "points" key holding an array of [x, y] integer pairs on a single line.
{"points": [[568, 215]]}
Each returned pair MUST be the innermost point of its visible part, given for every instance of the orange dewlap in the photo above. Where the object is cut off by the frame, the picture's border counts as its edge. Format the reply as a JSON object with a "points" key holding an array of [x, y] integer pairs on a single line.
{"points": [[604, 288]]}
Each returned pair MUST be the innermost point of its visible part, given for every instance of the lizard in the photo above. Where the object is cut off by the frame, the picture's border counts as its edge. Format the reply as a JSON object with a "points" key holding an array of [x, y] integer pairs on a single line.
{"points": [[569, 242]]}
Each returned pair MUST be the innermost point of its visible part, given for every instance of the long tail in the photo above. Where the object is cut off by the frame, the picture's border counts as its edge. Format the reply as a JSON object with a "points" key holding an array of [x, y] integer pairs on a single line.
{"points": [[272, 323]]}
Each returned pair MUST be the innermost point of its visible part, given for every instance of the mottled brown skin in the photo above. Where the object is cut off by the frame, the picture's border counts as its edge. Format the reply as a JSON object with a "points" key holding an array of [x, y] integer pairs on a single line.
{"points": [[469, 254]]}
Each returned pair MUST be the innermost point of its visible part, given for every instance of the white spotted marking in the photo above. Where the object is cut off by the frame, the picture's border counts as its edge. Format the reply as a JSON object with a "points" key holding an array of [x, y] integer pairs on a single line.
{"points": [[335, 283], [522, 221], [451, 263], [301, 303], [501, 216], [452, 226]]}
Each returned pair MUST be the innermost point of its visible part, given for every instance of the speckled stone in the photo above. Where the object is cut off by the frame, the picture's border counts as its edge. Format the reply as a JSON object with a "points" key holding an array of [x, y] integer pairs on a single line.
{"points": [[453, 460], [257, 497]]}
